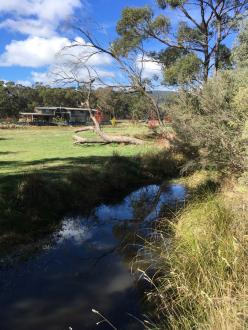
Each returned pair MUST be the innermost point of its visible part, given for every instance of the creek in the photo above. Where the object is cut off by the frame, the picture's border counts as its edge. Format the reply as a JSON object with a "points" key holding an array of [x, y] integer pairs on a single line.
{"points": [[86, 265]]}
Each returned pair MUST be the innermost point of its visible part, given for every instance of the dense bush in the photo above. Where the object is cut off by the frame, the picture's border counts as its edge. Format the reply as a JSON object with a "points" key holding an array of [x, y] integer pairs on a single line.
{"points": [[213, 119]]}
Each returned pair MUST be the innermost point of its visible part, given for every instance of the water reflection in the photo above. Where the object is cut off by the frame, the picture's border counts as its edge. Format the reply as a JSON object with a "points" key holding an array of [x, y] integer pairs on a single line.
{"points": [[86, 266]]}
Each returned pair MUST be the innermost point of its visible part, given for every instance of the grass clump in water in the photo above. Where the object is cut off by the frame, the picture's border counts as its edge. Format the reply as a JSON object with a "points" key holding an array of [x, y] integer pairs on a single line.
{"points": [[202, 281]]}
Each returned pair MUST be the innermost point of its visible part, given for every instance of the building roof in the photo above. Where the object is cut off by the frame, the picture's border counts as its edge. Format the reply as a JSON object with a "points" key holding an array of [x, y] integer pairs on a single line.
{"points": [[36, 114], [64, 108]]}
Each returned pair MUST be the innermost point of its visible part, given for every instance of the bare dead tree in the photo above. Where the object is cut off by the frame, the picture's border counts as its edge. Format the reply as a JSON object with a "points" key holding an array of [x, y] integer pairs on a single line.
{"points": [[131, 67], [71, 76]]}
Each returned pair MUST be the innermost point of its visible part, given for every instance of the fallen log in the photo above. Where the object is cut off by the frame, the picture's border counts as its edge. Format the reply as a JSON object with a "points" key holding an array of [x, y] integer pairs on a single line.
{"points": [[114, 138], [79, 140], [86, 128], [105, 138], [108, 139]]}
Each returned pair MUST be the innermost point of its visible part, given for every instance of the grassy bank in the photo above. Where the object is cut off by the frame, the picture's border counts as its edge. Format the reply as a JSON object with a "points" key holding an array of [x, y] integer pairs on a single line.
{"points": [[202, 264], [43, 176]]}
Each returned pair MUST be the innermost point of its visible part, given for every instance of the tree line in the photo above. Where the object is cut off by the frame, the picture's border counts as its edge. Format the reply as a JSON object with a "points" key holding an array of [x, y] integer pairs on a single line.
{"points": [[16, 98]]}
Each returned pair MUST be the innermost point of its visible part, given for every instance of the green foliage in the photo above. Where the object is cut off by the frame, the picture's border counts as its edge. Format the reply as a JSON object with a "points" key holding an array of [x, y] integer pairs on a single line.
{"points": [[240, 52], [113, 103], [122, 105], [195, 34], [213, 120], [132, 29], [187, 34], [160, 25], [184, 70], [132, 18], [15, 98], [10, 100], [181, 65], [128, 42], [140, 108], [162, 3], [59, 96], [172, 3], [169, 55], [225, 57]]}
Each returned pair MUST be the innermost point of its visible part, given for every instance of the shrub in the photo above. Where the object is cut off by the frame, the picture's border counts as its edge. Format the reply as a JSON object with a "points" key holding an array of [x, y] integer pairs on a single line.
{"points": [[213, 120]]}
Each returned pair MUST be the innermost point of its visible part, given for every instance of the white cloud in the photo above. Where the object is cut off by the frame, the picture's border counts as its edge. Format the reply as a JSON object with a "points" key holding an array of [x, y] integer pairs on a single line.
{"points": [[149, 67], [26, 83], [54, 53], [4, 80], [41, 21], [69, 64], [30, 27], [37, 17], [37, 52], [53, 75], [42, 77], [47, 10], [83, 51], [33, 52]]}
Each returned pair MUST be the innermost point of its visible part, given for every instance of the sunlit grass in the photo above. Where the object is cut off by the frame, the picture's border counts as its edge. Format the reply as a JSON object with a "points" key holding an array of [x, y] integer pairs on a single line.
{"points": [[28, 149]]}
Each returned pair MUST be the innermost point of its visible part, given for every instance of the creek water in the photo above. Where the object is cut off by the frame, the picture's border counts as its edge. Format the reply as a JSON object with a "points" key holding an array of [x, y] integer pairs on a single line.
{"points": [[84, 266]]}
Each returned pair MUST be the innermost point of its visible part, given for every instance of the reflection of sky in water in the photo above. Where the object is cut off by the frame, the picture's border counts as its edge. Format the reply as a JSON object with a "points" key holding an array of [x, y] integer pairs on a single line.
{"points": [[124, 210], [74, 231], [81, 270]]}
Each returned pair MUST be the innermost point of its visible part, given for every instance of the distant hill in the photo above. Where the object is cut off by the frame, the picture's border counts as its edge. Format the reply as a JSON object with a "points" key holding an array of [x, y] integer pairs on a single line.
{"points": [[161, 96]]}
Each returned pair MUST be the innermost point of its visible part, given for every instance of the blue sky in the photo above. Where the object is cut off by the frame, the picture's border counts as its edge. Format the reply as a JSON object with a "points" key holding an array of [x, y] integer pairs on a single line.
{"points": [[33, 32]]}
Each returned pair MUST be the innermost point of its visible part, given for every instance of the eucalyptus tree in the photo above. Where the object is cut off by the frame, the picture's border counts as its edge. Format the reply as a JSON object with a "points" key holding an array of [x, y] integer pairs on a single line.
{"points": [[193, 44], [11, 100], [240, 51]]}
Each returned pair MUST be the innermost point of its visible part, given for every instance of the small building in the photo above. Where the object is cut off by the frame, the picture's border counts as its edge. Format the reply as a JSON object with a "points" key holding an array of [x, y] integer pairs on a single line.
{"points": [[50, 115]]}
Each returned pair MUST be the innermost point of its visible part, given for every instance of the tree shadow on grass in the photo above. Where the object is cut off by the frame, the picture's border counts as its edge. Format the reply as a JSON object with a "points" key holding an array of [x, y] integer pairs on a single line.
{"points": [[54, 168], [4, 139], [7, 163], [4, 153], [70, 161], [161, 165]]}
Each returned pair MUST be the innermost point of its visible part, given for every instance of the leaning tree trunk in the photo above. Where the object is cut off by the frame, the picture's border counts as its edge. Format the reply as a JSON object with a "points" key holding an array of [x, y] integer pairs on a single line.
{"points": [[105, 138]]}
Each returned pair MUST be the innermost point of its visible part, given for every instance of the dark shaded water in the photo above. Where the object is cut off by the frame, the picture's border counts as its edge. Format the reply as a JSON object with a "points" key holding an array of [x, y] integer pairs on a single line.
{"points": [[86, 265]]}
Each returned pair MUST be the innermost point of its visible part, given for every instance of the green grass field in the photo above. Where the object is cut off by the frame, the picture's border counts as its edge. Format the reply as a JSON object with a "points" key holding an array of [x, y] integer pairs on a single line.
{"points": [[51, 149], [43, 175]]}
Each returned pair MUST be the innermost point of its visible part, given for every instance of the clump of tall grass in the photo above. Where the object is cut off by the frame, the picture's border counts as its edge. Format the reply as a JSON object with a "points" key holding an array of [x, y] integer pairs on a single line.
{"points": [[162, 164], [203, 279]]}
